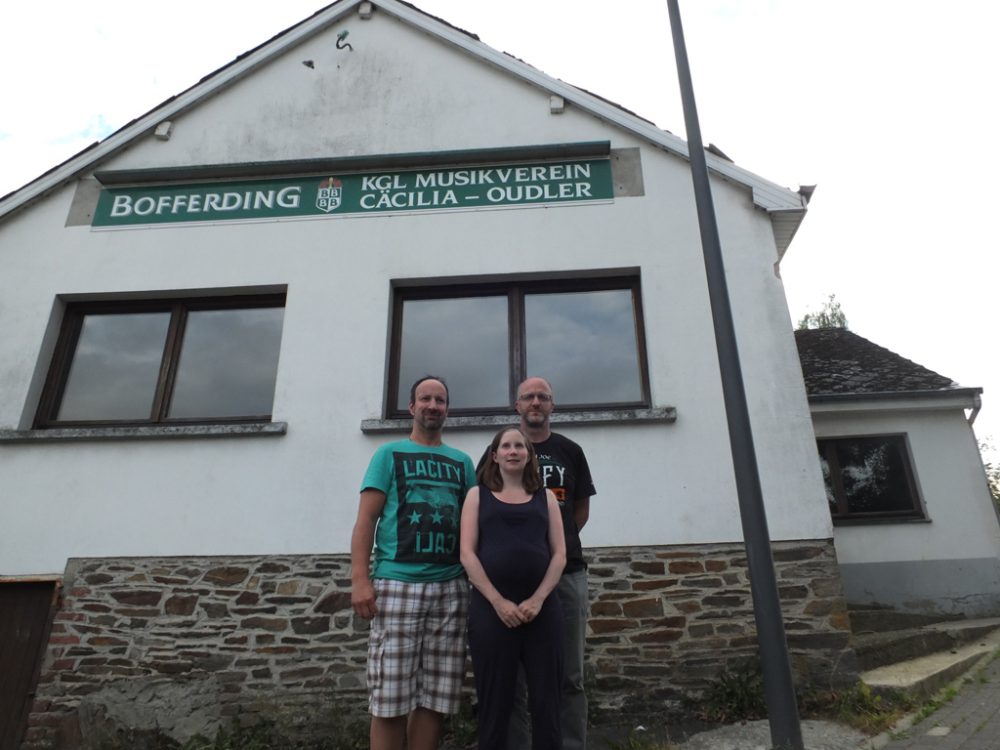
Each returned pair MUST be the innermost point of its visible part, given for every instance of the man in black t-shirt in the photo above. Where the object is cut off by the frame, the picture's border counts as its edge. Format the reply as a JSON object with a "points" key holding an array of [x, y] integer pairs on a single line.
{"points": [[565, 472]]}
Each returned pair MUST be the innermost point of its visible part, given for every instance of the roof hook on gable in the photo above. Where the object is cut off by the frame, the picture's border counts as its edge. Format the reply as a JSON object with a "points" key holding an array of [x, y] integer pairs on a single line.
{"points": [[340, 40]]}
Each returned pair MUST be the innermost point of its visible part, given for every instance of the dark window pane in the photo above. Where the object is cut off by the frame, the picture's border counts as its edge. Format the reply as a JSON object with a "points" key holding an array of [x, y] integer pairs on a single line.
{"points": [[585, 344], [874, 475], [462, 340], [115, 367], [228, 363]]}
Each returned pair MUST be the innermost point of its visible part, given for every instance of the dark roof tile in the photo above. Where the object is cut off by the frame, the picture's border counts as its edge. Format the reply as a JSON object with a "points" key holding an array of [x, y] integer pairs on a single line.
{"points": [[835, 360]]}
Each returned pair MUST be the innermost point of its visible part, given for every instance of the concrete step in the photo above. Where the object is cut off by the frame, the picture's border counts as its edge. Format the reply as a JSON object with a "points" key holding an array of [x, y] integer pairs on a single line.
{"points": [[883, 648], [879, 619], [922, 676]]}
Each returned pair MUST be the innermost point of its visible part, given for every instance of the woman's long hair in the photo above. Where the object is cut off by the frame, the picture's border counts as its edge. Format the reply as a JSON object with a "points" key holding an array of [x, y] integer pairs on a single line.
{"points": [[489, 471]]}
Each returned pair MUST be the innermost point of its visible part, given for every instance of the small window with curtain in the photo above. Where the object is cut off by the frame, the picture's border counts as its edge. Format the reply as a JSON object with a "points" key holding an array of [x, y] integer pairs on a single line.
{"points": [[869, 478], [583, 335], [184, 361]]}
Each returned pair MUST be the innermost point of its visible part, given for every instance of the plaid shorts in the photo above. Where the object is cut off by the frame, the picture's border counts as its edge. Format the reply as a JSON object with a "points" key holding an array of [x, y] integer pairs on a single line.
{"points": [[416, 648]]}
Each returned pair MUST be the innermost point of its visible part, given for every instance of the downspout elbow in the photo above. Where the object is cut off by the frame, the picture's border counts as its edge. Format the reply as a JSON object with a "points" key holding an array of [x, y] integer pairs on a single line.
{"points": [[977, 404]]}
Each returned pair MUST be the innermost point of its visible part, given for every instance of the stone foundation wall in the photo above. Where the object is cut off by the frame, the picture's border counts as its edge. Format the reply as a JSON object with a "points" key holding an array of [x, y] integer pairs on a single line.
{"points": [[664, 621], [182, 645]]}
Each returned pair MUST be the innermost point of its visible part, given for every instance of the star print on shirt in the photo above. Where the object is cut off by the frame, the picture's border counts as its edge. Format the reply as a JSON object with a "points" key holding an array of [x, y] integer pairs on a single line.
{"points": [[414, 518], [436, 517]]}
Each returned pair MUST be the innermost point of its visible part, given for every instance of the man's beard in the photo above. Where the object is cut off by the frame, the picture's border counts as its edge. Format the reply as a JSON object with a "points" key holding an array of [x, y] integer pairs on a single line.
{"points": [[431, 422], [535, 419]]}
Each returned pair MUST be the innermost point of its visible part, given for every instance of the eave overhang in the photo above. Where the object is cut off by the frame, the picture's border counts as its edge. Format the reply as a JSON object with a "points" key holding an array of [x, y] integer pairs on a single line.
{"points": [[955, 398]]}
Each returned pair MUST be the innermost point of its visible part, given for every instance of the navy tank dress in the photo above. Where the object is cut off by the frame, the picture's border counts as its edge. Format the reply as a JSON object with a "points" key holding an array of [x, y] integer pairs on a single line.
{"points": [[514, 552]]}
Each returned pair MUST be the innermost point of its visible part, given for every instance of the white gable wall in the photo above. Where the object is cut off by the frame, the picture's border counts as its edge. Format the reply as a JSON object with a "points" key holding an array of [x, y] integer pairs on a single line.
{"points": [[399, 91]]}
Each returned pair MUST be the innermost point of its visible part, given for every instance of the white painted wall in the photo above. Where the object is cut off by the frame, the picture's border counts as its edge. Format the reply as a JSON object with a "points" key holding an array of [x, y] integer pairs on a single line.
{"points": [[950, 479], [398, 91]]}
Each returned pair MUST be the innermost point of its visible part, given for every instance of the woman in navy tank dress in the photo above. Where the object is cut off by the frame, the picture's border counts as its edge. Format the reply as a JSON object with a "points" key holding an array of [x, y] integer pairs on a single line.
{"points": [[514, 551]]}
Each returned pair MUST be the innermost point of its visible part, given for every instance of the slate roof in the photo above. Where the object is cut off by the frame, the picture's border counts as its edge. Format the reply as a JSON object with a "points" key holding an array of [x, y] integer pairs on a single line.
{"points": [[837, 361]]}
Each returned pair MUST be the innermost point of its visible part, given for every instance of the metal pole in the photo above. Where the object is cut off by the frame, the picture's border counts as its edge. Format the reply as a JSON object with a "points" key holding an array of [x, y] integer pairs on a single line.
{"points": [[779, 692]]}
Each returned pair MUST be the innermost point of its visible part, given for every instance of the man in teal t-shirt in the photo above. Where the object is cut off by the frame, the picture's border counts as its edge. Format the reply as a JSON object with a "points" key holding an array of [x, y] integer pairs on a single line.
{"points": [[416, 594]]}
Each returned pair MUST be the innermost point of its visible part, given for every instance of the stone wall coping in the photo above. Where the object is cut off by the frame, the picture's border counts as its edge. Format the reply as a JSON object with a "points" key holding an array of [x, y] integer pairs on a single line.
{"points": [[654, 415]]}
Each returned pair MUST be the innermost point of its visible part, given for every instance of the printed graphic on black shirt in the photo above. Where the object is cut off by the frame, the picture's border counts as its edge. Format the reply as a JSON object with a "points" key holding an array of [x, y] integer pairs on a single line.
{"points": [[430, 488], [553, 476]]}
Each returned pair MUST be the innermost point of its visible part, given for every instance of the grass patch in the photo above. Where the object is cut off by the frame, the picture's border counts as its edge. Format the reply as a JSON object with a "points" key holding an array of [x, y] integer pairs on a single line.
{"points": [[942, 698], [737, 694], [857, 706]]}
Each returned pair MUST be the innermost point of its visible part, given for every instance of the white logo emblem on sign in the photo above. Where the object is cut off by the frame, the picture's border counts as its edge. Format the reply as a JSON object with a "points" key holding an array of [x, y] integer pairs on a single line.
{"points": [[329, 194]]}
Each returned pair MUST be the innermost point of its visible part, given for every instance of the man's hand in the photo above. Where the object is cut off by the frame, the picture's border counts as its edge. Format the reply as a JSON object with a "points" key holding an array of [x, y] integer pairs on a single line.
{"points": [[363, 599], [362, 539]]}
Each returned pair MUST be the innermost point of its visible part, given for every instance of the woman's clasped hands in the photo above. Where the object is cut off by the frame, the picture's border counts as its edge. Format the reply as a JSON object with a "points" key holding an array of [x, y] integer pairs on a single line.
{"points": [[512, 615]]}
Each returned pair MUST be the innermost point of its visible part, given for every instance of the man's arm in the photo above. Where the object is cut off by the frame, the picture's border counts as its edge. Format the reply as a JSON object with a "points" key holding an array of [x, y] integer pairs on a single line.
{"points": [[581, 512], [362, 540]]}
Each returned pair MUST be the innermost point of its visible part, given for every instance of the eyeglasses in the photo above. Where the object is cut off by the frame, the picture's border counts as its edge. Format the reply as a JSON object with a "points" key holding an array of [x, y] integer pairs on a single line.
{"points": [[529, 397]]}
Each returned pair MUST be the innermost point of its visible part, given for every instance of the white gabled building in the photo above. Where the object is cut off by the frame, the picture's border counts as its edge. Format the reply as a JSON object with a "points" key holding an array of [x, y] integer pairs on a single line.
{"points": [[414, 97], [210, 319]]}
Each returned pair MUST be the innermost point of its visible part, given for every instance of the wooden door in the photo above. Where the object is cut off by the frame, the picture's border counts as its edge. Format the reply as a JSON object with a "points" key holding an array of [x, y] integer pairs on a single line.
{"points": [[26, 610]]}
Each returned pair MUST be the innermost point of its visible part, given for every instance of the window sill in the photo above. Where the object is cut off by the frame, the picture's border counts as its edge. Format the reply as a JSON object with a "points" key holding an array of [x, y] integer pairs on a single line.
{"points": [[657, 415], [144, 432]]}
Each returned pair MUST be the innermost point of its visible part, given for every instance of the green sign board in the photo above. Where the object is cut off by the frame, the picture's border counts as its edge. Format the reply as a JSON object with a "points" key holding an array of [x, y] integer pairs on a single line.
{"points": [[452, 188]]}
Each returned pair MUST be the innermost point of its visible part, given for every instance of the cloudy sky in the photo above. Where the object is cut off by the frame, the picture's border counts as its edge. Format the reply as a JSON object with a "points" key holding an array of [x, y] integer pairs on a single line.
{"points": [[888, 106]]}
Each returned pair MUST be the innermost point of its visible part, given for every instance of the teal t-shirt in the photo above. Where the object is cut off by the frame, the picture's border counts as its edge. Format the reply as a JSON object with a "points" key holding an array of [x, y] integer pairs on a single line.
{"points": [[424, 486]]}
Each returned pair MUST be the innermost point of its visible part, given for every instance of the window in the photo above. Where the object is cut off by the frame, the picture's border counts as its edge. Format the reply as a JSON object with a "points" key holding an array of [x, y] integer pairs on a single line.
{"points": [[869, 477], [164, 361], [584, 335]]}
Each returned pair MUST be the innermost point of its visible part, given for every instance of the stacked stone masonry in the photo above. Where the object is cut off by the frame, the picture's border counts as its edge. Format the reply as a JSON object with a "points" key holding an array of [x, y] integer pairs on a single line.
{"points": [[665, 621], [183, 645]]}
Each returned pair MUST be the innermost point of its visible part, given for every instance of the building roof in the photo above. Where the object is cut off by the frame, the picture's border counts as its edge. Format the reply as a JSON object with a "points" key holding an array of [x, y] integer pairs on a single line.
{"points": [[785, 207], [836, 361]]}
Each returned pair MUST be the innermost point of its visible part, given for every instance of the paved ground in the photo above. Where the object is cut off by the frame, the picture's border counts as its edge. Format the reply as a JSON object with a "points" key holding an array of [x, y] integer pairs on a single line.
{"points": [[751, 735], [971, 721], [756, 735]]}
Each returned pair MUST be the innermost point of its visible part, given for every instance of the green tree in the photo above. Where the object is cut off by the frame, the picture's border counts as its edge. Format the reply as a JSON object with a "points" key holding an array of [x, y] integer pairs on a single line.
{"points": [[992, 470], [830, 316]]}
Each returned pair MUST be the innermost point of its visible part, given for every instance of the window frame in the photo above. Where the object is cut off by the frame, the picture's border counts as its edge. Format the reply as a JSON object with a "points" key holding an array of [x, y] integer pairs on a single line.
{"points": [[827, 446], [46, 415], [515, 288]]}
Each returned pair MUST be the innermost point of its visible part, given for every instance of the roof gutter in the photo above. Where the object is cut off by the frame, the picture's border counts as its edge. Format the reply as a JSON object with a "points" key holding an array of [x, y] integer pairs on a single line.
{"points": [[895, 401], [826, 398]]}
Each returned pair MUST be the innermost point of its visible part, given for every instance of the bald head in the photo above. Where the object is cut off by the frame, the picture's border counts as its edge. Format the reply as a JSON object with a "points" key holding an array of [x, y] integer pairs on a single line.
{"points": [[534, 404]]}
